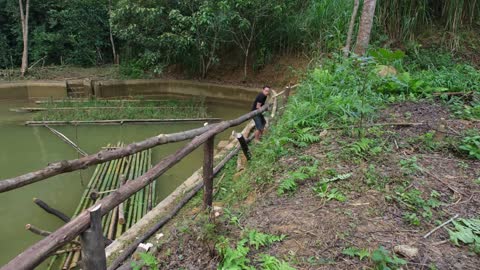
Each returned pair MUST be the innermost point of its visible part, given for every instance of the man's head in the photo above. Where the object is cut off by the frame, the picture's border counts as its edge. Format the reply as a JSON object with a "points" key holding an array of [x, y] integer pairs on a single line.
{"points": [[266, 90]]}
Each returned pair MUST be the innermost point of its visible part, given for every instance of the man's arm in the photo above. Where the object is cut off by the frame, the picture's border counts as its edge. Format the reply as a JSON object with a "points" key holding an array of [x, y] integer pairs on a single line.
{"points": [[259, 105]]}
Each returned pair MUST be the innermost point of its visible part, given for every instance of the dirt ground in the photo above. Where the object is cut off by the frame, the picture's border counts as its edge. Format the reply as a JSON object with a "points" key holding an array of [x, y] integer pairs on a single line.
{"points": [[318, 230]]}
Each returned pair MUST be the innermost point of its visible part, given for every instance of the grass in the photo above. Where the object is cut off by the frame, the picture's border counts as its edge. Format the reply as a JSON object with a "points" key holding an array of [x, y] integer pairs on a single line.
{"points": [[110, 110]]}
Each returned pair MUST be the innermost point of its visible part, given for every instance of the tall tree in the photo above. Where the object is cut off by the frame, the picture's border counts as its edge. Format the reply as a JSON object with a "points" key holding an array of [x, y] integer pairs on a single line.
{"points": [[366, 22], [348, 44], [24, 19]]}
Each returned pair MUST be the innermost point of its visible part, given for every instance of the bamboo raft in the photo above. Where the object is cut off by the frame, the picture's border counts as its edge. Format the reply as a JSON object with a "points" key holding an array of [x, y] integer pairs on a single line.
{"points": [[106, 178]]}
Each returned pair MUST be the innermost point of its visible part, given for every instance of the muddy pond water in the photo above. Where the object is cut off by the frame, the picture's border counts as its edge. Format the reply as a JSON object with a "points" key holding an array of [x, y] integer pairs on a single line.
{"points": [[24, 149]]}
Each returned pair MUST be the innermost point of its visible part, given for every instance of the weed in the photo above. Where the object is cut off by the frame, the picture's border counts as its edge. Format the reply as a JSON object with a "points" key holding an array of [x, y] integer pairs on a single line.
{"points": [[258, 239], [146, 260], [289, 184], [471, 145], [414, 202], [322, 191], [233, 258], [271, 263], [383, 260], [410, 165], [477, 181], [373, 178], [466, 231], [355, 252], [365, 147], [237, 258]]}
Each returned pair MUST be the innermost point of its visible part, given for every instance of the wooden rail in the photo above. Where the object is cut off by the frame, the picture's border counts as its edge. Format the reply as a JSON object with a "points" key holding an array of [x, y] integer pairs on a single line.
{"points": [[38, 252]]}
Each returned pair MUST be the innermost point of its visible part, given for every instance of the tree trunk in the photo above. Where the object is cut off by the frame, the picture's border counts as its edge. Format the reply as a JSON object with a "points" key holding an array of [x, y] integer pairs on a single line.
{"points": [[346, 50], [115, 58], [245, 65], [366, 22], [24, 19]]}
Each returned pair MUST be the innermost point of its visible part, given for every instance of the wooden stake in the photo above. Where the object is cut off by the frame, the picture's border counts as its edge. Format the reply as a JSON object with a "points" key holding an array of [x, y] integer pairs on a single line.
{"points": [[93, 252], [208, 172], [244, 145]]}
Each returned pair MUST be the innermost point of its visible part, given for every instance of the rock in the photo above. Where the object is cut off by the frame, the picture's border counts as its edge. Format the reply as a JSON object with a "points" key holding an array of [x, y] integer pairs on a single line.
{"points": [[406, 251], [384, 71], [158, 236]]}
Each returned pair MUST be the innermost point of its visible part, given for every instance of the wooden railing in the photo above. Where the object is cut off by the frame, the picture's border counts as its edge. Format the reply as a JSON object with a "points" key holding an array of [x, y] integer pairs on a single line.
{"points": [[41, 250]]}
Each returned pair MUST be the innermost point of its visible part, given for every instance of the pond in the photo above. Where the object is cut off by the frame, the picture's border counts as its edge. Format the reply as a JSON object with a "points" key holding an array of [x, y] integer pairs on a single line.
{"points": [[24, 149]]}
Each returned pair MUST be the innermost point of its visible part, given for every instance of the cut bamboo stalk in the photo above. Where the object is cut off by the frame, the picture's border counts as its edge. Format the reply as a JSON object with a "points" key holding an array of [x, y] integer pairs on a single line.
{"points": [[76, 257], [112, 185], [66, 264], [67, 140], [132, 198], [154, 183]]}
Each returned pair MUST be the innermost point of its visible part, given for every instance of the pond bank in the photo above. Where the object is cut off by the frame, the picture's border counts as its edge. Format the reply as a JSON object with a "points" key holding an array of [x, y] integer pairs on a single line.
{"points": [[122, 88]]}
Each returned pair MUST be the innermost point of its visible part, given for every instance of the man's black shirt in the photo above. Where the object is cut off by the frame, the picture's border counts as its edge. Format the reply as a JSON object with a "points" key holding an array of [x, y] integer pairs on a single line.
{"points": [[261, 98]]}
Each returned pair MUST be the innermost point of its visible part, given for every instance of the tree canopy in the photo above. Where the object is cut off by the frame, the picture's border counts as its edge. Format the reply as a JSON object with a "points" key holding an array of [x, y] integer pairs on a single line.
{"points": [[198, 34]]}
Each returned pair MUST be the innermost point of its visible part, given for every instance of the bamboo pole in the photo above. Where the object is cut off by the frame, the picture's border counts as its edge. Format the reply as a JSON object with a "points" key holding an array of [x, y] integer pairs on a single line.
{"points": [[122, 121], [146, 190], [133, 198], [67, 140], [154, 183]]}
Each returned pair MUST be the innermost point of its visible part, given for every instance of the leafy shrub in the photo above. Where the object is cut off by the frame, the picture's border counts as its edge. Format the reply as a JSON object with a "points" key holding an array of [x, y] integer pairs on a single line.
{"points": [[466, 231], [471, 145]]}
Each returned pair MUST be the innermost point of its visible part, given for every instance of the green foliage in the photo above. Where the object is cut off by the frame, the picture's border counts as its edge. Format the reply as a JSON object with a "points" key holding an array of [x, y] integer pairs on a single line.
{"points": [[356, 252], [385, 261], [258, 239], [107, 110], [365, 147], [382, 258], [466, 231], [235, 259], [271, 263], [323, 191], [148, 261], [289, 184], [471, 145], [412, 199], [410, 165]]}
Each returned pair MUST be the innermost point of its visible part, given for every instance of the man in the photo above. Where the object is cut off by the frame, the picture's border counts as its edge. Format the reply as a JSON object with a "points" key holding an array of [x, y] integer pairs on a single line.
{"points": [[259, 119]]}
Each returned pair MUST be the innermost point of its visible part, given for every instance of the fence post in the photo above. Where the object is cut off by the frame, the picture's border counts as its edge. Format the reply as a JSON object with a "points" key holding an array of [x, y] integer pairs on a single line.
{"points": [[244, 145], [287, 93], [208, 172], [93, 244]]}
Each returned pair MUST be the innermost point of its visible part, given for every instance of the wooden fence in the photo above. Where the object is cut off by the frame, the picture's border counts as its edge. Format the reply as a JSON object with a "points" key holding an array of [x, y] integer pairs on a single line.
{"points": [[83, 224]]}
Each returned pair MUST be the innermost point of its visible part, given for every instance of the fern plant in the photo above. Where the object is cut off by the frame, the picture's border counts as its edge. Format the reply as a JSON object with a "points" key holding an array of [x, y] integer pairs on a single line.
{"points": [[289, 184], [322, 190], [258, 239], [271, 263]]}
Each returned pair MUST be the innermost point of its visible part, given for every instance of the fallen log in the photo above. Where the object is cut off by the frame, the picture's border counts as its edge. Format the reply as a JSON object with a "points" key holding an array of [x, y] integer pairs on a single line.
{"points": [[36, 253]]}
